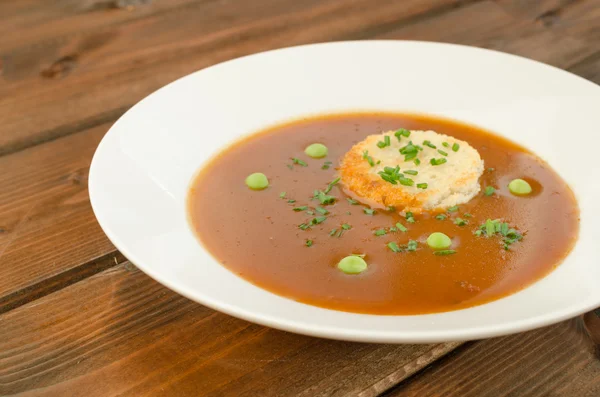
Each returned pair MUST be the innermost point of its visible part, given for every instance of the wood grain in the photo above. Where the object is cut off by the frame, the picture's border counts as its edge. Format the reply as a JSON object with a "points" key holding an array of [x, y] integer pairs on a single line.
{"points": [[45, 216], [31, 21], [103, 71], [121, 333], [553, 361], [485, 24]]}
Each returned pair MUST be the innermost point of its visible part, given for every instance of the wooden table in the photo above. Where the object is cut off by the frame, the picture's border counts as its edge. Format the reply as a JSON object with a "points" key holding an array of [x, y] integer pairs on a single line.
{"points": [[77, 319]]}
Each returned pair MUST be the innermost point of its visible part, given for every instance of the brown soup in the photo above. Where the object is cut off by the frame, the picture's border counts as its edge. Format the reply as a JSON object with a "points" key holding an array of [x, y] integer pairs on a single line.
{"points": [[255, 234]]}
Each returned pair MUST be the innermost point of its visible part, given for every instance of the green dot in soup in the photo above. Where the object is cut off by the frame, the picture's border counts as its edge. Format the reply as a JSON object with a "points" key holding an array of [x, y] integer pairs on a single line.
{"points": [[257, 181], [519, 187], [352, 265], [316, 150], [438, 241]]}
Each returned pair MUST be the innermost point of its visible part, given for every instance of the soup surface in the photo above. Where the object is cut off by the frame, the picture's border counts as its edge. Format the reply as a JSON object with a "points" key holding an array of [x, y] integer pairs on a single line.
{"points": [[256, 233]]}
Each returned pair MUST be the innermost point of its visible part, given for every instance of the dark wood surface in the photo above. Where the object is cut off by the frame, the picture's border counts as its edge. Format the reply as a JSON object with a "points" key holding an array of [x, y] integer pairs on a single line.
{"points": [[76, 318]]}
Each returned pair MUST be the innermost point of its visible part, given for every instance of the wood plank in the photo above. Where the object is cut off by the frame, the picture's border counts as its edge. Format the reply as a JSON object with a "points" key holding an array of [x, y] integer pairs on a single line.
{"points": [[46, 219], [37, 19], [557, 360], [486, 24], [119, 332], [575, 18], [104, 71]]}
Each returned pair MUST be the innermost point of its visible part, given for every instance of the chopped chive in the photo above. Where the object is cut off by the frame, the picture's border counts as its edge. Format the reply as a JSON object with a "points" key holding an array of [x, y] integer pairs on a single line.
{"points": [[439, 161], [282, 195], [326, 165], [460, 222], [393, 246], [298, 209], [391, 208], [422, 185], [410, 218], [369, 211], [317, 220], [440, 151], [323, 198], [401, 227], [444, 252], [467, 215], [331, 233], [440, 217], [346, 226], [352, 202], [429, 144], [309, 243], [321, 210], [406, 181], [489, 190], [478, 232], [380, 232], [299, 162], [310, 213], [490, 227], [417, 162], [410, 156], [303, 226], [411, 172], [368, 158], [454, 208], [455, 147], [385, 142], [445, 144], [291, 201], [331, 184], [340, 233], [393, 229], [412, 245]]}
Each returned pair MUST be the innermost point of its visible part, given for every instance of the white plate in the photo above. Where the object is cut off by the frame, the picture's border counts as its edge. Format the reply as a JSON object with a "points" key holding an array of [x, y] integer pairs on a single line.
{"points": [[142, 169]]}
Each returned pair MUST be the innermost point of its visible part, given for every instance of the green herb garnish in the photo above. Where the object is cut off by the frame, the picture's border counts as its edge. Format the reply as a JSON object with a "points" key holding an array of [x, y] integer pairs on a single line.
{"points": [[317, 220], [380, 232], [303, 226], [282, 195], [489, 190], [298, 209], [321, 210], [410, 218], [368, 158], [440, 151], [429, 144], [444, 252], [352, 202], [369, 211], [454, 208], [385, 142], [440, 217], [326, 165], [401, 227], [417, 162], [299, 162], [393, 246], [422, 185], [455, 147], [460, 222], [445, 144], [439, 161], [411, 172], [412, 245], [309, 243], [291, 201], [331, 184], [323, 198]]}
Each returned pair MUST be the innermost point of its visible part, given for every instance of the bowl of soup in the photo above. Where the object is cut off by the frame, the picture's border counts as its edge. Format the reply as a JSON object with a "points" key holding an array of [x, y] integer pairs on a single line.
{"points": [[379, 191]]}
